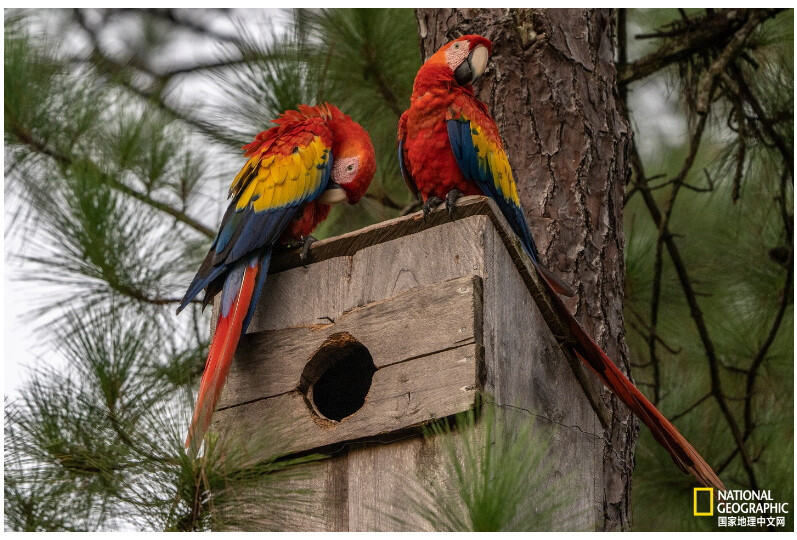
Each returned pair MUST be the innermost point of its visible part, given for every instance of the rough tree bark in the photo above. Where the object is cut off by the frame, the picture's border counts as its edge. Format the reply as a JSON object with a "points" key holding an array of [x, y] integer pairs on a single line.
{"points": [[551, 86]]}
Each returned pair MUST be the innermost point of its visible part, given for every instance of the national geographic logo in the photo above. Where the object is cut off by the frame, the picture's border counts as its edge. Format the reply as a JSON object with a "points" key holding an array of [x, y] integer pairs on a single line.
{"points": [[741, 507], [704, 501]]}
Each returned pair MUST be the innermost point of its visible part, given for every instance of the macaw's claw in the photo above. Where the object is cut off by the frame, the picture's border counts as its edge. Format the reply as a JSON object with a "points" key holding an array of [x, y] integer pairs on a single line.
{"points": [[305, 254], [429, 205], [451, 201], [290, 245]]}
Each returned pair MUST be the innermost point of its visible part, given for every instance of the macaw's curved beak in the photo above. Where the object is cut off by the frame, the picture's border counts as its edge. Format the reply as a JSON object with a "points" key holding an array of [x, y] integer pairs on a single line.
{"points": [[334, 194], [473, 67]]}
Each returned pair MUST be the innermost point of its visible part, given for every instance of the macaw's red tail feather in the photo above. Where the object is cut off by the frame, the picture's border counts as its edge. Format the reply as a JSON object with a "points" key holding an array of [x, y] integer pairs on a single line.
{"points": [[222, 349], [683, 454], [555, 282]]}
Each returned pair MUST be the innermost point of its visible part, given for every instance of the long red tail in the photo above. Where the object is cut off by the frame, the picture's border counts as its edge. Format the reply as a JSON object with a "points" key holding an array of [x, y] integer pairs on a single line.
{"points": [[683, 454], [222, 349]]}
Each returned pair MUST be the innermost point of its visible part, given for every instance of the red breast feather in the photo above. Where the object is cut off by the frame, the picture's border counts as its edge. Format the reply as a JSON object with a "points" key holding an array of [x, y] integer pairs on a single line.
{"points": [[429, 157]]}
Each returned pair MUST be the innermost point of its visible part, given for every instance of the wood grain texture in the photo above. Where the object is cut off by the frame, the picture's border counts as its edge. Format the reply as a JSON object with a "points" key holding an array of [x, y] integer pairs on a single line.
{"points": [[350, 243], [310, 497], [541, 388], [524, 371], [424, 346], [402, 396], [415, 323], [453, 246]]}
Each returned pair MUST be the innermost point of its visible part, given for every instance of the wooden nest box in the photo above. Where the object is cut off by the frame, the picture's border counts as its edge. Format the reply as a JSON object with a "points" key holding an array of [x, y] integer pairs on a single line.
{"points": [[388, 328]]}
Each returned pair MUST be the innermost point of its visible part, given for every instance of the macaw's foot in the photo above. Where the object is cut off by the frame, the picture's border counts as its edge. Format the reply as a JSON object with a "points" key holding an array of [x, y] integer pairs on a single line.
{"points": [[429, 205], [451, 201], [290, 245], [305, 254]]}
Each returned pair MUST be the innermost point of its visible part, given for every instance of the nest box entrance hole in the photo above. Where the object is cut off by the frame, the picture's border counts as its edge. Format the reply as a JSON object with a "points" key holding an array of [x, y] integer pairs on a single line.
{"points": [[337, 377]]}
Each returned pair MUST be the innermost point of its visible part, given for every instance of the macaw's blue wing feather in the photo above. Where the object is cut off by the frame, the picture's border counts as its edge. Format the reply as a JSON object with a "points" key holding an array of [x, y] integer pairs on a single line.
{"points": [[405, 173], [485, 163], [262, 208], [265, 261], [257, 232], [232, 285]]}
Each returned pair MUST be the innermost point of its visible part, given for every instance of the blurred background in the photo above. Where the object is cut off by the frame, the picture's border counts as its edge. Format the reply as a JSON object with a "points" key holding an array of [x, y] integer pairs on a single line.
{"points": [[123, 130]]}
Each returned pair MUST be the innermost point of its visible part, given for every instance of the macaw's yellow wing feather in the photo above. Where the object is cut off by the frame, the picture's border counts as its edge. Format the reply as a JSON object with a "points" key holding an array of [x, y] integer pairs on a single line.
{"points": [[282, 180], [268, 192], [481, 158]]}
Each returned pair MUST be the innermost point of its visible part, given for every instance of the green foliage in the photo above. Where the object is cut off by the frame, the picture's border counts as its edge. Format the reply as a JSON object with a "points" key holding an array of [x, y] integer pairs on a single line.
{"points": [[103, 441], [493, 462], [734, 236], [108, 187], [116, 185]]}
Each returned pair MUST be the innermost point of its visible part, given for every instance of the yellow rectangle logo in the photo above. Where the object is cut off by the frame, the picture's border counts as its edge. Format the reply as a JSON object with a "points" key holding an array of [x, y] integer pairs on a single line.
{"points": [[710, 498]]}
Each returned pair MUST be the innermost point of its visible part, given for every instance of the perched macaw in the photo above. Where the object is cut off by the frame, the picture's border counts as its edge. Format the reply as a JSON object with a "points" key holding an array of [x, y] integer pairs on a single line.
{"points": [[312, 158], [449, 146]]}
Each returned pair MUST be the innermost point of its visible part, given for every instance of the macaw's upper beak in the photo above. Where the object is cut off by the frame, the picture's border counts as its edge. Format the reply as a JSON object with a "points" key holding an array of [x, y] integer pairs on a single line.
{"points": [[334, 194], [473, 67]]}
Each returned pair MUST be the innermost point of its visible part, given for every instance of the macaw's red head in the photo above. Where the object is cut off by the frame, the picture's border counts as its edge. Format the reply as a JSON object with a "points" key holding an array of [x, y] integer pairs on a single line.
{"points": [[354, 163], [462, 61]]}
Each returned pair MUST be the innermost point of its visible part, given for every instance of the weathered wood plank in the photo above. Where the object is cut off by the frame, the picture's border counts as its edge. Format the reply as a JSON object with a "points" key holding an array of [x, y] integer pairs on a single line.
{"points": [[402, 395], [525, 372], [356, 242], [350, 243], [446, 252], [307, 497], [528, 375], [415, 323], [303, 295], [335, 279], [382, 478]]}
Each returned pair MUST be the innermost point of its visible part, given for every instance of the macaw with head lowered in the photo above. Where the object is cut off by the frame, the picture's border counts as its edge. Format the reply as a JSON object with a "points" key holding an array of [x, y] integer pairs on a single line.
{"points": [[448, 146], [314, 157]]}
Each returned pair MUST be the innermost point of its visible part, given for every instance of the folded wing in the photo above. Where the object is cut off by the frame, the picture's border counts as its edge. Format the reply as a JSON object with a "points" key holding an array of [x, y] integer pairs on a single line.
{"points": [[482, 159], [281, 174]]}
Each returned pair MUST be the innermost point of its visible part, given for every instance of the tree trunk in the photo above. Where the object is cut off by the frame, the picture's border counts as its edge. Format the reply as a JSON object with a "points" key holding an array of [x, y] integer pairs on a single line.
{"points": [[551, 86]]}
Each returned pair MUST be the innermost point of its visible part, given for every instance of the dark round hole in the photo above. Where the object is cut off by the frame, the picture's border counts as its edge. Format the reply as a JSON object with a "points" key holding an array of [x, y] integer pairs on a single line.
{"points": [[337, 378]]}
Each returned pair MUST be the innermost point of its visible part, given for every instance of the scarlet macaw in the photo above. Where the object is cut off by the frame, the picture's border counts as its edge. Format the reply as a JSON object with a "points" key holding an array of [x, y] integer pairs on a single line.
{"points": [[312, 158], [449, 146]]}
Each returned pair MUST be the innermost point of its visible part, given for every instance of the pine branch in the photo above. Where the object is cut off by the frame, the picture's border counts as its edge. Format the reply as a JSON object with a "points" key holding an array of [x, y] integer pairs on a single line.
{"points": [[372, 70], [721, 62], [385, 200], [785, 299], [141, 296], [698, 35], [690, 408], [170, 15], [133, 445], [118, 73], [698, 319], [67, 161], [737, 81], [663, 227]]}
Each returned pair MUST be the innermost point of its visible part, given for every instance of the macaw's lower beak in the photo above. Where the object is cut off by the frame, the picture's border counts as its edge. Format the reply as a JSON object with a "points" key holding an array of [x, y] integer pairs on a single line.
{"points": [[473, 67], [333, 195]]}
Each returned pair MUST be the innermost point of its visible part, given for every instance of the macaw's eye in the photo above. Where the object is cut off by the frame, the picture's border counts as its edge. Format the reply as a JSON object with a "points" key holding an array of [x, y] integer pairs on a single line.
{"points": [[350, 168], [456, 45]]}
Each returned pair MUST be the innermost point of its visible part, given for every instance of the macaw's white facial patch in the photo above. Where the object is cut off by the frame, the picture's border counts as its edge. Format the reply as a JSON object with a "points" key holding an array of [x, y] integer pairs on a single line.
{"points": [[457, 53], [478, 60], [344, 170], [333, 195]]}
